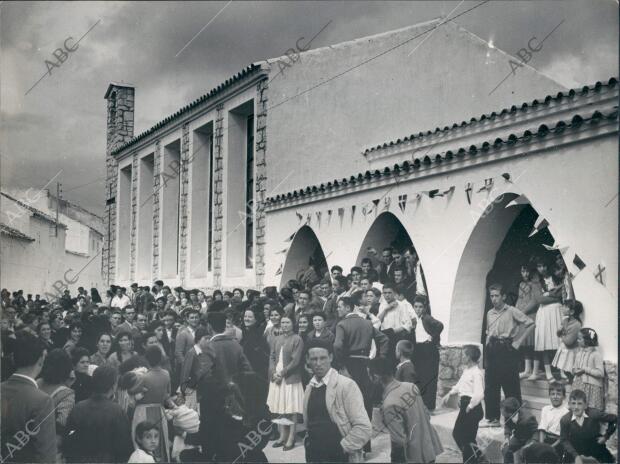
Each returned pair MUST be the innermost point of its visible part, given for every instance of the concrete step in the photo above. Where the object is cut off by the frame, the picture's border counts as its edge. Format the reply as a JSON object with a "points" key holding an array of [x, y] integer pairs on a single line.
{"points": [[538, 388]]}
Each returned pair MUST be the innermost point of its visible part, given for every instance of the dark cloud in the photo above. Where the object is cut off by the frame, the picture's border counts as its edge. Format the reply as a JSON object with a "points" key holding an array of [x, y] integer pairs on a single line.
{"points": [[61, 123]]}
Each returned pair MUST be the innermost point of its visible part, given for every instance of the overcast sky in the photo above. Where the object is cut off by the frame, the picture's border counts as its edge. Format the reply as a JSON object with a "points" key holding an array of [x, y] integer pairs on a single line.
{"points": [[60, 123]]}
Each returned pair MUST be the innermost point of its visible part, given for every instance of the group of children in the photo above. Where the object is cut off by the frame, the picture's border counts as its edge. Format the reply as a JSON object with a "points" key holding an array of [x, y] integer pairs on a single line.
{"points": [[566, 432]]}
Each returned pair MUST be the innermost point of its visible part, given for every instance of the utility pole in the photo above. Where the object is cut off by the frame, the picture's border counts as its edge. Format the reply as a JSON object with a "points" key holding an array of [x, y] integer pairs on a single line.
{"points": [[58, 193]]}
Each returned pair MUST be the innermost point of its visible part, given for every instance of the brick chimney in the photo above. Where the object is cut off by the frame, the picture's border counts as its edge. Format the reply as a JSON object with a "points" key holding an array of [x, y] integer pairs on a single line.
{"points": [[120, 98]]}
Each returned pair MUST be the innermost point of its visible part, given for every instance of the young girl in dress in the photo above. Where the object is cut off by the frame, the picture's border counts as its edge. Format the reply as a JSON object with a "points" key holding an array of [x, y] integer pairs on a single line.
{"points": [[589, 370], [147, 439], [548, 317], [285, 390], [530, 292], [571, 325]]}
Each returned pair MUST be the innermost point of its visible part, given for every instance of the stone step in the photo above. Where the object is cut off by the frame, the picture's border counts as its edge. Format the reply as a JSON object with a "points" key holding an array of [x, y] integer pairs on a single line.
{"points": [[538, 388]]}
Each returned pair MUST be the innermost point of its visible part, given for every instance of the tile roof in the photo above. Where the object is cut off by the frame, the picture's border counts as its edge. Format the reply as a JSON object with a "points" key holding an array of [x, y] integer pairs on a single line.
{"points": [[491, 116], [36, 212], [212, 93], [407, 166], [6, 230]]}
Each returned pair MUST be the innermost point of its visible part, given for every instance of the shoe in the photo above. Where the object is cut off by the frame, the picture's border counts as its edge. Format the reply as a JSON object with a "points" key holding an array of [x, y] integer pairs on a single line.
{"points": [[525, 375], [550, 378], [288, 448], [534, 376], [277, 444]]}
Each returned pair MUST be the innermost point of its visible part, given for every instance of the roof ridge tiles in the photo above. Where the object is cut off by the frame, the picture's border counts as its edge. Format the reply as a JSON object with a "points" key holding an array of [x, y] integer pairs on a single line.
{"points": [[512, 139]]}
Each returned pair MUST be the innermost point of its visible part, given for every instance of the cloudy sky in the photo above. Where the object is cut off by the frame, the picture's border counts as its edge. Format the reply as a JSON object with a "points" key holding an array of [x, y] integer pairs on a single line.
{"points": [[59, 125]]}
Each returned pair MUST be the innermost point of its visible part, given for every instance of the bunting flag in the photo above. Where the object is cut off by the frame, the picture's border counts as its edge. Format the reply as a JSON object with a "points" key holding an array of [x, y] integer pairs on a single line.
{"points": [[318, 218], [432, 193], [468, 189], [282, 251], [402, 202], [488, 185], [341, 213], [365, 209], [386, 203], [352, 212], [506, 177], [329, 216], [291, 237], [520, 200], [540, 224], [599, 273], [556, 247], [376, 202], [578, 263], [308, 218], [279, 271], [299, 216]]}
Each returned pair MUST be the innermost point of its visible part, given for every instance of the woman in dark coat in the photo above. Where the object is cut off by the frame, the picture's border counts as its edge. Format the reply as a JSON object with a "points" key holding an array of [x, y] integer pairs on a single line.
{"points": [[256, 348], [427, 331], [83, 384]]}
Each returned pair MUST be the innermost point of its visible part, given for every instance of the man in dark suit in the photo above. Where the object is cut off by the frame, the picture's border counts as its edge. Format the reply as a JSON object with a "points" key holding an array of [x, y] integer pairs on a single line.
{"points": [[520, 429], [224, 361], [168, 343], [28, 420]]}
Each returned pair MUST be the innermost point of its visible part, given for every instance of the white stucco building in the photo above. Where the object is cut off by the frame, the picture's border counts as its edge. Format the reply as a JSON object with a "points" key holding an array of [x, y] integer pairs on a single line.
{"points": [[241, 186], [42, 256]]}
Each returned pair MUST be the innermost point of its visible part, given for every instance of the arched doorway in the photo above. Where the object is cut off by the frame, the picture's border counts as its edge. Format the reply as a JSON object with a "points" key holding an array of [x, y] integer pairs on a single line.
{"points": [[497, 247], [305, 258], [388, 231]]}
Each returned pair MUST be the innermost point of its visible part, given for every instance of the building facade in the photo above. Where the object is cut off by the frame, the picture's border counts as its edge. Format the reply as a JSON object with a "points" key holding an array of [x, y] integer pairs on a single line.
{"points": [[278, 165], [41, 255]]}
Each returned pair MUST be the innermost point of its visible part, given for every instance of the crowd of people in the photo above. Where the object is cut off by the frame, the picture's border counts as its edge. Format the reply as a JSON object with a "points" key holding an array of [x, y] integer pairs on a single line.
{"points": [[160, 374]]}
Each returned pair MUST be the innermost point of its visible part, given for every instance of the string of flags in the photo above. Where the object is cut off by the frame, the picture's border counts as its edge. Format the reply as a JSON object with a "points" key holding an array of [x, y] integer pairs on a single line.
{"points": [[403, 200]]}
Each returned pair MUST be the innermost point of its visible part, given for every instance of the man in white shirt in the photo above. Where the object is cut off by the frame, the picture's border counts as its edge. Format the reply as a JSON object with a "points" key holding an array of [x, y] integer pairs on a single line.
{"points": [[551, 414], [395, 321], [120, 300]]}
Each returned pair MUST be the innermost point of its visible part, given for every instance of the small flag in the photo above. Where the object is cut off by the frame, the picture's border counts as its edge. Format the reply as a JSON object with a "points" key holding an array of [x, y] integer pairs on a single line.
{"points": [[386, 203], [468, 190], [376, 202], [599, 274], [540, 224], [488, 185], [299, 216], [318, 217], [340, 213], [308, 218], [291, 237], [578, 262], [402, 202], [329, 216], [434, 193], [520, 200], [279, 271], [352, 212]]}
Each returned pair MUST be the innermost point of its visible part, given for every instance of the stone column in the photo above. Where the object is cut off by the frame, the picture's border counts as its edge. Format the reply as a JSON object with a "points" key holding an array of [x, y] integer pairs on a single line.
{"points": [[134, 217], [260, 180], [156, 206], [183, 212], [218, 195]]}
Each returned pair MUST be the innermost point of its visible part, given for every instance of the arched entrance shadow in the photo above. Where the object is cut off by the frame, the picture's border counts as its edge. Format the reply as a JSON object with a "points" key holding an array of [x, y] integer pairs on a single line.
{"points": [[386, 231], [305, 259], [497, 247]]}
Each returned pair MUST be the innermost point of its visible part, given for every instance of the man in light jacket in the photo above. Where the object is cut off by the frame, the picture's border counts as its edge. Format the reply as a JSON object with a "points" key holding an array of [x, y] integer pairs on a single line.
{"points": [[337, 423]]}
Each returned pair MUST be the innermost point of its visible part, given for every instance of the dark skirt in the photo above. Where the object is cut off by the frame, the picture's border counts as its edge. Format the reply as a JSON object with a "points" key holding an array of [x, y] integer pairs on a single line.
{"points": [[426, 362]]}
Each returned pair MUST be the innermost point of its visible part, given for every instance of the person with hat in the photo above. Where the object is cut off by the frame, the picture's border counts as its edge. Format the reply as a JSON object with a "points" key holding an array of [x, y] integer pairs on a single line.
{"points": [[520, 429]]}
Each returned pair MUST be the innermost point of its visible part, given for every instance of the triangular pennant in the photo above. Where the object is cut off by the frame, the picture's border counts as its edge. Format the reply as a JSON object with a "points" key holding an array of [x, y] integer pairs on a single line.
{"points": [[599, 273], [386, 203], [376, 202], [520, 200], [540, 224], [365, 210], [291, 237], [279, 271], [434, 193], [556, 247], [329, 216], [340, 212], [506, 177], [488, 185], [299, 216], [468, 190], [308, 218], [352, 212], [402, 202], [318, 217]]}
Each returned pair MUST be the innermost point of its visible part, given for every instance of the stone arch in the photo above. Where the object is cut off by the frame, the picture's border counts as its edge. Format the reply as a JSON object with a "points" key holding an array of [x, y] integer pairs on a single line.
{"points": [[305, 252], [497, 246]]}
